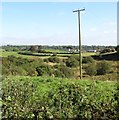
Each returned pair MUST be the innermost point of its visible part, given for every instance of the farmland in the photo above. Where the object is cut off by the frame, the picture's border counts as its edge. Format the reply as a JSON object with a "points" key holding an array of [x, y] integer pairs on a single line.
{"points": [[7, 53]]}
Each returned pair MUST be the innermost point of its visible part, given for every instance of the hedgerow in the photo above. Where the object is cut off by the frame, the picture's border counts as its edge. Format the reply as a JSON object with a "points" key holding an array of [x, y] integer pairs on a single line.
{"points": [[48, 98]]}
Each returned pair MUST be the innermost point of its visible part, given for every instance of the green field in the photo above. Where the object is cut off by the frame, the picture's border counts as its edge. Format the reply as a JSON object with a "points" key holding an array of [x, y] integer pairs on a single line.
{"points": [[5, 54]]}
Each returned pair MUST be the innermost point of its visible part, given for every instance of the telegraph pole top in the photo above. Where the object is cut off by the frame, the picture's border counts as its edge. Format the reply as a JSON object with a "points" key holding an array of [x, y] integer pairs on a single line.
{"points": [[79, 10]]}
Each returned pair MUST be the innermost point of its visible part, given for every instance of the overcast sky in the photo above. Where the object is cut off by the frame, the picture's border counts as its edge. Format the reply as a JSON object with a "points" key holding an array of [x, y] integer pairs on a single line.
{"points": [[54, 23]]}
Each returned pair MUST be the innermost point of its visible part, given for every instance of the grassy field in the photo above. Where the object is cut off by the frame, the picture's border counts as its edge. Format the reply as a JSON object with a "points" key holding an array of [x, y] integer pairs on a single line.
{"points": [[55, 51], [5, 54]]}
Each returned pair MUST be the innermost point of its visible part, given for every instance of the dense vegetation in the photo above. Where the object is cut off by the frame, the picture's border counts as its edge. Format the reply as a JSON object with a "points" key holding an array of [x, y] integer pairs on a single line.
{"points": [[47, 86], [37, 67], [57, 67], [54, 98]]}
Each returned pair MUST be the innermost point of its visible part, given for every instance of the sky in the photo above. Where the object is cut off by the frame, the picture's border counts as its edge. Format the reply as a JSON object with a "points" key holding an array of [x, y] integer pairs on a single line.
{"points": [[54, 23]]}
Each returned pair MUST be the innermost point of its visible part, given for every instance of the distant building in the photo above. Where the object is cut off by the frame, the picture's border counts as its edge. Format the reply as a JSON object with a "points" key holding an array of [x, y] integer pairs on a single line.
{"points": [[73, 50], [92, 50]]}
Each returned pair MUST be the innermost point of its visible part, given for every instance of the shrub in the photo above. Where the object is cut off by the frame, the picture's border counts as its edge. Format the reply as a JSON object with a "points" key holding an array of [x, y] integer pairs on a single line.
{"points": [[48, 98], [72, 102], [16, 95], [72, 62], [54, 54], [46, 60], [88, 60], [103, 68], [63, 71], [19, 66], [31, 72], [11, 69], [58, 73], [43, 69], [66, 72], [91, 69], [75, 56], [54, 59]]}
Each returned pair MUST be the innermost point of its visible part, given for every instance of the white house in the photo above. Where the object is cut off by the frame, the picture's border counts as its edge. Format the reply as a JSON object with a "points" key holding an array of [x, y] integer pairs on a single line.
{"points": [[92, 51]]}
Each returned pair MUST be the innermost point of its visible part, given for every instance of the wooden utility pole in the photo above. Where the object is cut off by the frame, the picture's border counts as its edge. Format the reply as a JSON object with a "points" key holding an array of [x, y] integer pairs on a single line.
{"points": [[80, 47]]}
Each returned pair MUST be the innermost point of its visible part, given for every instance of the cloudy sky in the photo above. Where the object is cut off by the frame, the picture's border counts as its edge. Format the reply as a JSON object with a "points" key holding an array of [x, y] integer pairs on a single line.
{"points": [[54, 23]]}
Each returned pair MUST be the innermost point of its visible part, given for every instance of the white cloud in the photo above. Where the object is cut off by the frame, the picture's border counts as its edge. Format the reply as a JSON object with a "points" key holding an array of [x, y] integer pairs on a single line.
{"points": [[92, 29], [104, 36], [114, 31], [111, 23], [105, 32], [110, 32], [53, 39]]}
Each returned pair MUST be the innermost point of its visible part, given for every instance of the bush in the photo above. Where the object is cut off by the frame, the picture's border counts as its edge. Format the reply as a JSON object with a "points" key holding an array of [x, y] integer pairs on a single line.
{"points": [[11, 58], [72, 102], [76, 57], [12, 65], [91, 69], [72, 62], [46, 60], [58, 73], [103, 68], [54, 59], [16, 95], [47, 98], [31, 72], [88, 60], [43, 70], [63, 71], [67, 72]]}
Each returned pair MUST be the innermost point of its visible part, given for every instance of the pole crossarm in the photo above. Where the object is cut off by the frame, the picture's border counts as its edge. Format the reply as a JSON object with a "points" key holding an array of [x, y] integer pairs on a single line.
{"points": [[79, 10]]}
